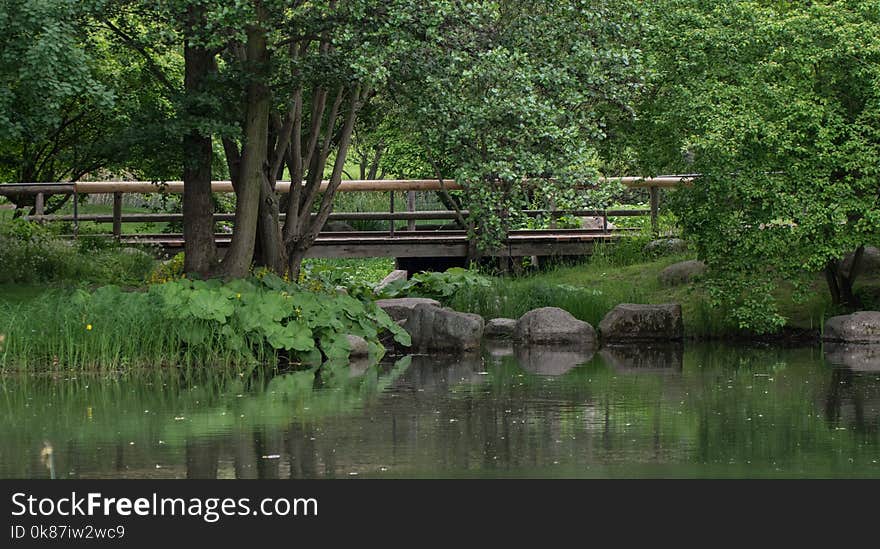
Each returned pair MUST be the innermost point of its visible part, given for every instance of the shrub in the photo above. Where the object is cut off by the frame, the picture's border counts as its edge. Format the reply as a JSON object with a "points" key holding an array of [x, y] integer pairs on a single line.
{"points": [[189, 322], [31, 253]]}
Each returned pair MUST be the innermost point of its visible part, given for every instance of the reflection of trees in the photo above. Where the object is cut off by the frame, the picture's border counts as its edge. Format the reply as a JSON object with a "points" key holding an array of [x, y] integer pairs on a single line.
{"points": [[773, 408], [852, 401]]}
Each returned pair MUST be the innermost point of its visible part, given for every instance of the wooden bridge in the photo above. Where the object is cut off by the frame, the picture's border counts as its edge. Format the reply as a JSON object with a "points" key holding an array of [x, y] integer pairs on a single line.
{"points": [[415, 241]]}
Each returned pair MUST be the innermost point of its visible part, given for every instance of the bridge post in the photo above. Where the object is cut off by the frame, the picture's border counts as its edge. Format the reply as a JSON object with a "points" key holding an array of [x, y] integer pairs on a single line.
{"points": [[655, 210], [75, 213], [117, 215], [411, 207], [39, 204], [391, 210]]}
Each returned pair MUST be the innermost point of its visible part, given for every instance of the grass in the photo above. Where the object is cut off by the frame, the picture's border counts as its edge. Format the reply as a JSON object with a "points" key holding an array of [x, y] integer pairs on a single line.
{"points": [[345, 271]]}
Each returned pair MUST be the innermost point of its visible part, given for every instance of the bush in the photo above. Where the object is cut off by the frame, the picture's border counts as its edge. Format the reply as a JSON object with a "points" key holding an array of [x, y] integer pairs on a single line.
{"points": [[189, 322], [30, 253]]}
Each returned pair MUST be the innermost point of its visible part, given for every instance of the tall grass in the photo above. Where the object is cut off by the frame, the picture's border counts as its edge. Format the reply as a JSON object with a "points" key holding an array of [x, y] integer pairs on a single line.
{"points": [[61, 329], [511, 298]]}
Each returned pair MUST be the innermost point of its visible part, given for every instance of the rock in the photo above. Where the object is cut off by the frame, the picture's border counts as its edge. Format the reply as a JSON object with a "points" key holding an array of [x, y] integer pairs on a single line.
{"points": [[358, 346], [393, 276], [437, 330], [682, 273], [631, 323], [862, 327], [549, 325], [135, 252], [870, 263], [500, 328], [401, 308], [666, 246], [553, 360], [858, 357], [596, 222], [338, 227], [650, 358]]}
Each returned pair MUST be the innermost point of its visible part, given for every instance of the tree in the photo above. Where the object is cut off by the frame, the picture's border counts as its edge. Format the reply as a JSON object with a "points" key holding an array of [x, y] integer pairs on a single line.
{"points": [[777, 106], [524, 90], [69, 104]]}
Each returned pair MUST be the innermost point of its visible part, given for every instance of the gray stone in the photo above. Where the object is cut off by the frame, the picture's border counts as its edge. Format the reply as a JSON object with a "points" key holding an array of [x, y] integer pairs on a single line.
{"points": [[646, 358], [596, 222], [869, 264], [437, 330], [629, 322], [135, 252], [551, 360], [338, 227], [862, 327], [393, 276], [666, 246], [402, 308], [500, 328], [682, 273], [358, 346], [552, 325], [858, 357]]}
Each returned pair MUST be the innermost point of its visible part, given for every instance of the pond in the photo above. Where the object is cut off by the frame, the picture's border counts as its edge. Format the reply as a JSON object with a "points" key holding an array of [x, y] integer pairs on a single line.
{"points": [[692, 411]]}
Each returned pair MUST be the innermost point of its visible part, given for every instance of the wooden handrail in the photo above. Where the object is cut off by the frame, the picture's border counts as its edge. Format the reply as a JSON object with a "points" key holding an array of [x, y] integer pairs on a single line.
{"points": [[335, 216], [380, 185]]}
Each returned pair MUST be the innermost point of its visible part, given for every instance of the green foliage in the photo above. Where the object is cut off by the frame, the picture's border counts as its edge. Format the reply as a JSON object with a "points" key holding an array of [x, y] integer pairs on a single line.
{"points": [[71, 102], [440, 286], [518, 93], [777, 105], [31, 253], [189, 322]]}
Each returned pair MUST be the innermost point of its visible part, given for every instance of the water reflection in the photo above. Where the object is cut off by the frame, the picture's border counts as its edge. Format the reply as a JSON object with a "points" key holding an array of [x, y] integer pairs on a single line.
{"points": [[854, 356], [627, 411]]}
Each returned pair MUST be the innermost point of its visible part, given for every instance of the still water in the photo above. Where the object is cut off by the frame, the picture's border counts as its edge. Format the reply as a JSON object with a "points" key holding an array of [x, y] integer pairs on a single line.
{"points": [[700, 410]]}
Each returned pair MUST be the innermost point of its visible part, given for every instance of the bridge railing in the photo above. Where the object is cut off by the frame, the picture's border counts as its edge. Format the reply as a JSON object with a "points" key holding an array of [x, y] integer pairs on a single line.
{"points": [[118, 188]]}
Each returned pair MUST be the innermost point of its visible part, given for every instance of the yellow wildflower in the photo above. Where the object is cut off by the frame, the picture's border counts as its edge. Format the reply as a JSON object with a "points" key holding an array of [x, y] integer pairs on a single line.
{"points": [[89, 327]]}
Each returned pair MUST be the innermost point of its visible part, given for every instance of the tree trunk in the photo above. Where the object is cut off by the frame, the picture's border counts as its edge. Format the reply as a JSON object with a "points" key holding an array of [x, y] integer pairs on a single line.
{"points": [[269, 230], [252, 175], [200, 250], [841, 280], [302, 240]]}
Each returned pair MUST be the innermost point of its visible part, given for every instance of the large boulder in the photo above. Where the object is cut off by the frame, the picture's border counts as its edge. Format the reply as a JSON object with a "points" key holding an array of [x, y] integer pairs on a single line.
{"points": [[666, 246], [862, 327], [401, 308], [437, 330], [394, 276], [550, 325], [546, 360], [869, 264], [858, 357], [358, 346], [631, 323], [682, 273], [500, 328]]}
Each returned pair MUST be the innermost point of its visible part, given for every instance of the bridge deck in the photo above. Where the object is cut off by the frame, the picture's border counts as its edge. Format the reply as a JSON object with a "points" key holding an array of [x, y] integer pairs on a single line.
{"points": [[422, 244]]}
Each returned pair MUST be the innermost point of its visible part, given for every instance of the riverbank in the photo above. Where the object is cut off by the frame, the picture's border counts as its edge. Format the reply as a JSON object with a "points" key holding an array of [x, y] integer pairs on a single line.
{"points": [[591, 289]]}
